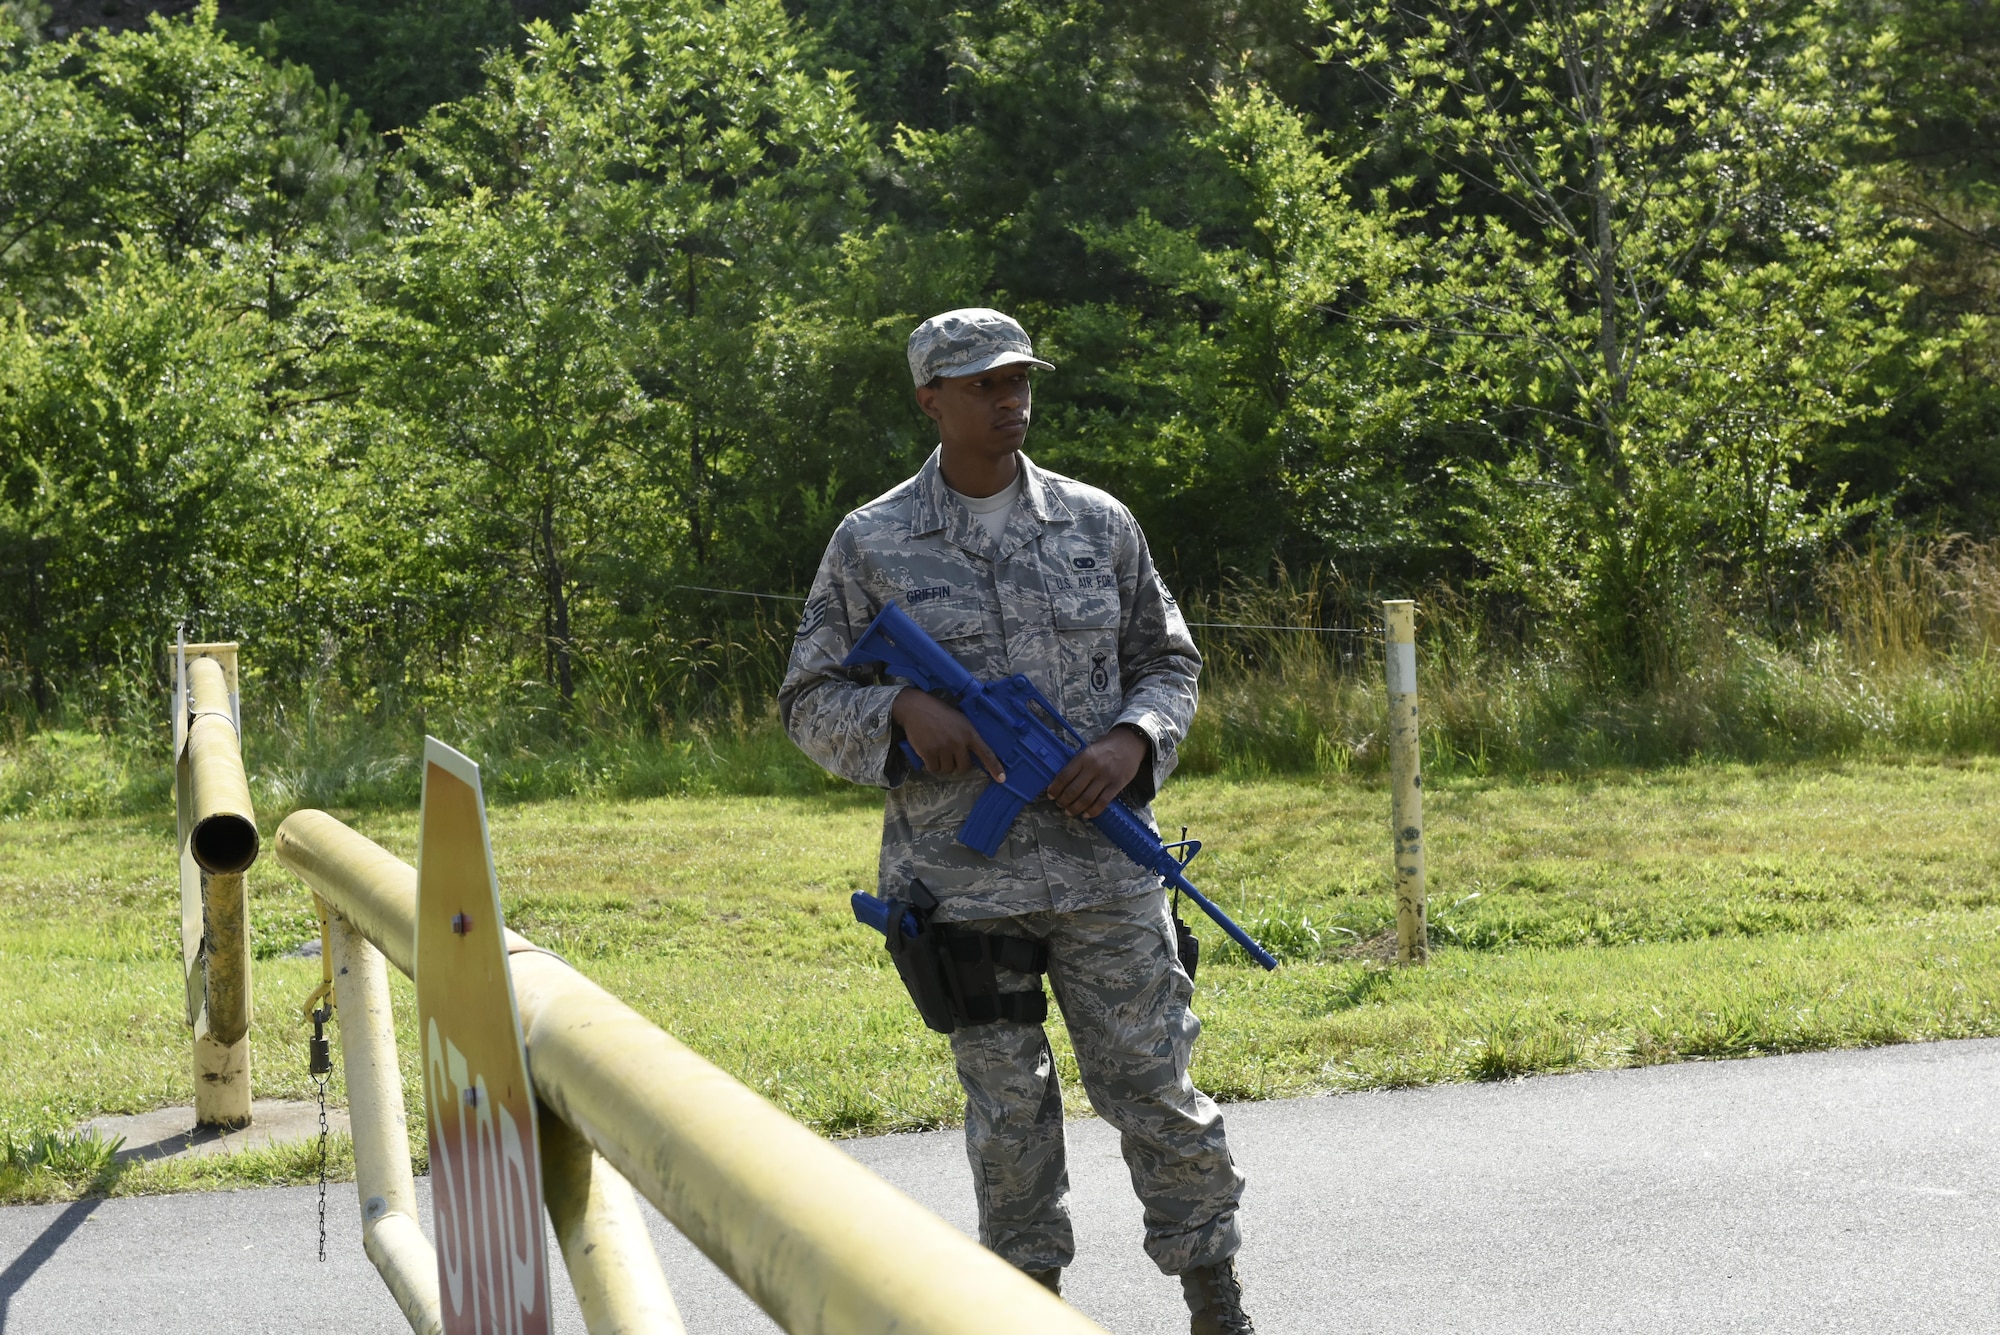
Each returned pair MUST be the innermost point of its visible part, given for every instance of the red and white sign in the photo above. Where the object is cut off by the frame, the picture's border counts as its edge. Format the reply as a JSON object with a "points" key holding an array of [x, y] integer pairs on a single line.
{"points": [[485, 1158]]}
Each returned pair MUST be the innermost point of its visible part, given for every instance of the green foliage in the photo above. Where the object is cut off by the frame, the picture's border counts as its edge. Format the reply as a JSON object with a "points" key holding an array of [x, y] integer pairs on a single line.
{"points": [[57, 1161], [396, 58], [1127, 241], [64, 1152], [127, 425], [1615, 319], [610, 311], [172, 135], [1250, 378], [21, 21], [1937, 169], [1649, 272], [1907, 669], [171, 220]]}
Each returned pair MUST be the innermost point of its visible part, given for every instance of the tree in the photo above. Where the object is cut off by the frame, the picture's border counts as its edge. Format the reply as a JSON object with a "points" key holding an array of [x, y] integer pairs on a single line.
{"points": [[395, 58], [1934, 459], [125, 435], [1241, 371], [1649, 270], [511, 355], [618, 276], [175, 216], [52, 166]]}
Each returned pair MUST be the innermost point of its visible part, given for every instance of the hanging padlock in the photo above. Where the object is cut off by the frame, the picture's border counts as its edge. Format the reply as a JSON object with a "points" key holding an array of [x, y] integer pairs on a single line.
{"points": [[319, 1006], [320, 1053]]}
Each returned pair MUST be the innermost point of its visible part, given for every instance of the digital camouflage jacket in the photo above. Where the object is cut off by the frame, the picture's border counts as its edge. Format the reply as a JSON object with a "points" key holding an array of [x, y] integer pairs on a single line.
{"points": [[1069, 598]]}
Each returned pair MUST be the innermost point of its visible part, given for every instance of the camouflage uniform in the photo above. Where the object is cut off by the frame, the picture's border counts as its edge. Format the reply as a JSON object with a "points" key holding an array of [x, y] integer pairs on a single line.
{"points": [[1116, 976], [1069, 597]]}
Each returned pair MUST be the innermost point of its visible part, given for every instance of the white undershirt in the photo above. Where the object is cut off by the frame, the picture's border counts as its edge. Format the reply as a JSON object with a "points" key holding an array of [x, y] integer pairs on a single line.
{"points": [[991, 511]]}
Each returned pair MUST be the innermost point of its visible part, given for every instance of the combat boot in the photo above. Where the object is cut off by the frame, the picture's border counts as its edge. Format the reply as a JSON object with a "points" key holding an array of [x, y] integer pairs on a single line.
{"points": [[1050, 1279], [1215, 1300]]}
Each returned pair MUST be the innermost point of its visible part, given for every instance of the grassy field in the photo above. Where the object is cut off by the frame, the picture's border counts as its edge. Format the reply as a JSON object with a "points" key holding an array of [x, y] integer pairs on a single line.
{"points": [[1708, 911]]}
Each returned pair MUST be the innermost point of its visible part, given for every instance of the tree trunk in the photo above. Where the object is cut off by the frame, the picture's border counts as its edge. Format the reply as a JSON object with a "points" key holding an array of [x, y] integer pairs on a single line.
{"points": [[555, 602], [697, 538], [1605, 240]]}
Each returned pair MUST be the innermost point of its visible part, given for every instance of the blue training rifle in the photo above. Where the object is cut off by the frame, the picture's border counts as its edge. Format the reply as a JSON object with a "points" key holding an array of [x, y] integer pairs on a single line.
{"points": [[1033, 743]]}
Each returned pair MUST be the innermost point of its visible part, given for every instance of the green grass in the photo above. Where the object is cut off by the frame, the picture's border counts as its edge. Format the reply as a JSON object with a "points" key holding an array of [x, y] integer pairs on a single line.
{"points": [[1623, 919]]}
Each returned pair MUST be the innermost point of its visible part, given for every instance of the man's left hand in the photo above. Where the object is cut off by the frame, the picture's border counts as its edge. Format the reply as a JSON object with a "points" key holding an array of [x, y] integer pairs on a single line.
{"points": [[1099, 772]]}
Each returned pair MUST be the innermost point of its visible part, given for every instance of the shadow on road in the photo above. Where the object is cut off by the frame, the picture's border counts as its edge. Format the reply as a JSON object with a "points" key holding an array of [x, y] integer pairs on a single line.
{"points": [[175, 1145], [37, 1253]]}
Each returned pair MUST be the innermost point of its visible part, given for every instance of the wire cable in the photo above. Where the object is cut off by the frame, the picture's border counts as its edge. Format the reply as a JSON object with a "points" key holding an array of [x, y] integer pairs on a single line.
{"points": [[742, 593], [1303, 630], [1202, 625]]}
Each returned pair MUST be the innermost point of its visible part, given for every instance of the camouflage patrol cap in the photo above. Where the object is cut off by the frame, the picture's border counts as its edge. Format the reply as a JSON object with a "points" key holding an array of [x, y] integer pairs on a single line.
{"points": [[968, 341]]}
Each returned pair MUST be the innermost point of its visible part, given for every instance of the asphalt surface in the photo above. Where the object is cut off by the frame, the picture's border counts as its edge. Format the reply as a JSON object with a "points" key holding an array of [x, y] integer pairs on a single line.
{"points": [[1828, 1192]]}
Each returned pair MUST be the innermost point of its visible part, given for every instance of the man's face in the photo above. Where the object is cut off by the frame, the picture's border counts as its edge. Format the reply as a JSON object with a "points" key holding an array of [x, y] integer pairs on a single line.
{"points": [[986, 413]]}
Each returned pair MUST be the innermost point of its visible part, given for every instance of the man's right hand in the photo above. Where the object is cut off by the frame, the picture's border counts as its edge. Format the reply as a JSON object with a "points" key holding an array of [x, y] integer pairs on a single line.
{"points": [[943, 737]]}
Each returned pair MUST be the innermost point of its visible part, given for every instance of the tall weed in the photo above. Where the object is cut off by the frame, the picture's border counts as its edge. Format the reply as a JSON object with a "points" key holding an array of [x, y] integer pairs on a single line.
{"points": [[57, 1163], [1906, 659]]}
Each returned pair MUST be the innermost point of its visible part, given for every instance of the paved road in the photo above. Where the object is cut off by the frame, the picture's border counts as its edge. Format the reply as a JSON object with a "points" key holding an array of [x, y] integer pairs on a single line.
{"points": [[1822, 1193]]}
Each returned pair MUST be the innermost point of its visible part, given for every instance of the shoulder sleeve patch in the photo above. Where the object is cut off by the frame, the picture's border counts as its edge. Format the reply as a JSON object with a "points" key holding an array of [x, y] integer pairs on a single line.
{"points": [[814, 618]]}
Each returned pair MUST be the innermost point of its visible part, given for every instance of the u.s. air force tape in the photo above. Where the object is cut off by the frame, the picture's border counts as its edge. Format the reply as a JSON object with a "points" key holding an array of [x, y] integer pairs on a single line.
{"points": [[1402, 669]]}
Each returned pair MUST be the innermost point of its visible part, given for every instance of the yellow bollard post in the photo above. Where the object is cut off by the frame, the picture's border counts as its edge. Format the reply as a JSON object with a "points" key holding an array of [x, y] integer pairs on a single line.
{"points": [[218, 843], [1406, 781], [390, 1233], [222, 833], [605, 1246]]}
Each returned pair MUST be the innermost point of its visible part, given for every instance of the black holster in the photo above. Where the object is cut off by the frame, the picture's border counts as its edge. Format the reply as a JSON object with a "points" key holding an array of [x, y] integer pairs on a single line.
{"points": [[951, 971], [1187, 945]]}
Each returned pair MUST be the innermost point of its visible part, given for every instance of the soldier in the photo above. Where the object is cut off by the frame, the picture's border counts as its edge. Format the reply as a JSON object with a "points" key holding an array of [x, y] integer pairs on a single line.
{"points": [[1014, 569]]}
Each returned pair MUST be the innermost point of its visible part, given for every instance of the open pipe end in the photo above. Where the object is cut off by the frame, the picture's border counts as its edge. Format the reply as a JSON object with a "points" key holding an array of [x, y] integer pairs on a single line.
{"points": [[223, 844]]}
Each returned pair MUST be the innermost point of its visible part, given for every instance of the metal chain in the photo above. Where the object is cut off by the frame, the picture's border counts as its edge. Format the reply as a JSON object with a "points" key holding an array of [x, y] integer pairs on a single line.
{"points": [[319, 1052], [320, 1083], [319, 1065]]}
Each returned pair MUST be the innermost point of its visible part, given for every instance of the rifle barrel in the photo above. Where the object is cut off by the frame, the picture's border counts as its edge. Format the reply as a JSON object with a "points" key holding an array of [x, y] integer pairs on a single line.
{"points": [[1224, 921]]}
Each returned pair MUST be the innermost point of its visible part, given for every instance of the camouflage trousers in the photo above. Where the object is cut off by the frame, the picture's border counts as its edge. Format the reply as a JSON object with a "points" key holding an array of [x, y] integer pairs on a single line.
{"points": [[1117, 977]]}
